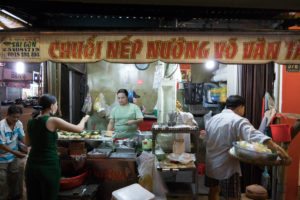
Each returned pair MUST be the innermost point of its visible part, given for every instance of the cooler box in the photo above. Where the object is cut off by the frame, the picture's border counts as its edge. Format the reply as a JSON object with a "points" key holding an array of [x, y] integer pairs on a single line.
{"points": [[132, 192]]}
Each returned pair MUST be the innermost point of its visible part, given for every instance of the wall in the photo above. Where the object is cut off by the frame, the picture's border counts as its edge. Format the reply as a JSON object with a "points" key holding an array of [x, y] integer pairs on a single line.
{"points": [[108, 78], [290, 92], [13, 93], [290, 104], [2, 93]]}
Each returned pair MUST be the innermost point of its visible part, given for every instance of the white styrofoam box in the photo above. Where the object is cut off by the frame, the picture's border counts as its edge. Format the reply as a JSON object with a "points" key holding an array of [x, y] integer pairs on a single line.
{"points": [[132, 192]]}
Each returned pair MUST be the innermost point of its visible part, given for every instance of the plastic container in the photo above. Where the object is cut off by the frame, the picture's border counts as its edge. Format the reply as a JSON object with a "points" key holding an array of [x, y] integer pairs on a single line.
{"points": [[281, 132], [132, 192], [147, 144], [73, 182], [201, 169]]}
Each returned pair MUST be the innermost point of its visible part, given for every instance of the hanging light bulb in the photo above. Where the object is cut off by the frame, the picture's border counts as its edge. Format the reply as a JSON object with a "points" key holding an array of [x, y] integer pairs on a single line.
{"points": [[210, 64], [20, 68]]}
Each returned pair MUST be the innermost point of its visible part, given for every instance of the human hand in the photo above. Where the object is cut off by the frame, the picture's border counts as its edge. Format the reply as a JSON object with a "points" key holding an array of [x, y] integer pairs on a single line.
{"points": [[86, 117], [202, 134], [18, 154], [285, 159]]}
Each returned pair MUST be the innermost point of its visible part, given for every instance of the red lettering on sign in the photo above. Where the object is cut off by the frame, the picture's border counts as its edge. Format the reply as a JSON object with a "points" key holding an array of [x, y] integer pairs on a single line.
{"points": [[226, 49], [112, 50], [177, 49], [248, 50], [52, 48], [297, 52], [98, 50], [273, 50], [89, 48], [153, 49], [136, 48], [219, 49], [65, 50], [125, 47], [165, 49], [77, 48], [231, 49], [259, 49], [203, 52], [191, 49], [290, 47]]}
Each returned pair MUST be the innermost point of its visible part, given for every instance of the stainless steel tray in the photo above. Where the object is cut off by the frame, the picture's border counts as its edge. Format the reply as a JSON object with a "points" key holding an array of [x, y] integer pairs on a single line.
{"points": [[123, 155]]}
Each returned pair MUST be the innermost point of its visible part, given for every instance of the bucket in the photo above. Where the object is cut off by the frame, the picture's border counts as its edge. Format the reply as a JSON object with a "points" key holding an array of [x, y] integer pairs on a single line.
{"points": [[281, 132]]}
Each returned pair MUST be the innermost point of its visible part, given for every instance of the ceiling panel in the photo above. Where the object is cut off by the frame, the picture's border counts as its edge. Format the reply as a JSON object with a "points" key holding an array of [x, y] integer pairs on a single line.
{"points": [[226, 15]]}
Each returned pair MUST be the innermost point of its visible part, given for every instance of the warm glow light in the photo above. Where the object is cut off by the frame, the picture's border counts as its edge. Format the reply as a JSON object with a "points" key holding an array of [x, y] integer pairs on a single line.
{"points": [[140, 82], [210, 64], [20, 68]]}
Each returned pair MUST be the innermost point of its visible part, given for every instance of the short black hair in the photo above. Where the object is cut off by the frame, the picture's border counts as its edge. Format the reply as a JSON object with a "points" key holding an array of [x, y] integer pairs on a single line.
{"points": [[46, 100], [234, 101], [124, 91], [13, 109]]}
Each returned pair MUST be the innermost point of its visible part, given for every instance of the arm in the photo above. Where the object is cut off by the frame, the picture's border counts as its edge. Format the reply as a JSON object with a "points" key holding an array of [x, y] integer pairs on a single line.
{"points": [[111, 125], [249, 133], [26, 139], [16, 153], [21, 133], [55, 123], [136, 121], [285, 158], [138, 114], [246, 131], [22, 140]]}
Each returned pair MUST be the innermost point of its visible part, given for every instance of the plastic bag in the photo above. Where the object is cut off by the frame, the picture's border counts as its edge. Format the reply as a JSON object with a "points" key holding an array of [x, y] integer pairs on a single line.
{"points": [[87, 105], [145, 164], [158, 74], [100, 105], [186, 118]]}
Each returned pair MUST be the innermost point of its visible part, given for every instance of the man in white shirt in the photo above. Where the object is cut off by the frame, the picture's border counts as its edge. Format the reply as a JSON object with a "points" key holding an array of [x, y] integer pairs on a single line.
{"points": [[11, 131], [223, 171]]}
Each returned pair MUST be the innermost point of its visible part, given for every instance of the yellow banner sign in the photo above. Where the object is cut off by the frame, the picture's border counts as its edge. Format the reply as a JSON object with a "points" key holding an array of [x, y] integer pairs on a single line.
{"points": [[149, 47]]}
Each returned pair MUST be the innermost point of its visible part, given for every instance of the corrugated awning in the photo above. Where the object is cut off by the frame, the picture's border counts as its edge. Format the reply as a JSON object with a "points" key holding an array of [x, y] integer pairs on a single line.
{"points": [[10, 21]]}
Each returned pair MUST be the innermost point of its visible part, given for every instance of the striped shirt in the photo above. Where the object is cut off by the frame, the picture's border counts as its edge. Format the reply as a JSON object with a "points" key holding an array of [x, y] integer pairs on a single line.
{"points": [[10, 139]]}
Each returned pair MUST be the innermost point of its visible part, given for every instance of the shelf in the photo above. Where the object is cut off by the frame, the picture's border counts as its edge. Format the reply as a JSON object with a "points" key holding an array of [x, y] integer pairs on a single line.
{"points": [[178, 189], [167, 129], [165, 165], [102, 139], [210, 105]]}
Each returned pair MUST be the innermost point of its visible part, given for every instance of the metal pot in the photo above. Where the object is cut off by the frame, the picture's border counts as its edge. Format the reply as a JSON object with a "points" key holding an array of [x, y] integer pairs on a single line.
{"points": [[131, 143], [119, 143]]}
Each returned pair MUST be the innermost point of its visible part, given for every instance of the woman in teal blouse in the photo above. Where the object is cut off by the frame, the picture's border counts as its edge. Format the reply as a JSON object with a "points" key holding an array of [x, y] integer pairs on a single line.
{"points": [[125, 117], [42, 173]]}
